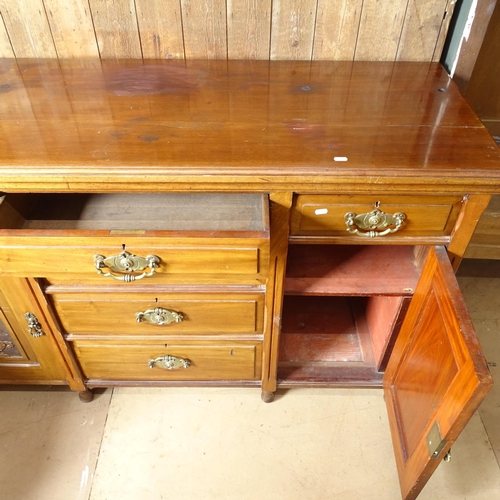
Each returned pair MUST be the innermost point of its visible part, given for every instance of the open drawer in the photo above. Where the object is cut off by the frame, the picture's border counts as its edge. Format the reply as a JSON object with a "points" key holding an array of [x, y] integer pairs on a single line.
{"points": [[162, 237]]}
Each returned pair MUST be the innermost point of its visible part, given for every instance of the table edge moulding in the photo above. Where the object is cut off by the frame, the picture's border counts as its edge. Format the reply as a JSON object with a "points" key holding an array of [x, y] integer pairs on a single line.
{"points": [[245, 223]]}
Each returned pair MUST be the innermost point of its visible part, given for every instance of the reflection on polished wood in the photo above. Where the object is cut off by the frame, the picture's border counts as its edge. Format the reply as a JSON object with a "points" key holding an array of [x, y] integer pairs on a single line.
{"points": [[237, 175], [171, 122], [437, 373]]}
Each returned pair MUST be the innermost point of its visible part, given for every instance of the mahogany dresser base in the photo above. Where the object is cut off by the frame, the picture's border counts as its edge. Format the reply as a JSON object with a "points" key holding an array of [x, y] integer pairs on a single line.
{"points": [[249, 224]]}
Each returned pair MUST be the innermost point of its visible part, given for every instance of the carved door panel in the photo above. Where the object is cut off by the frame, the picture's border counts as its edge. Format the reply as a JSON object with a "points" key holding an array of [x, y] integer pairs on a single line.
{"points": [[437, 375], [27, 350]]}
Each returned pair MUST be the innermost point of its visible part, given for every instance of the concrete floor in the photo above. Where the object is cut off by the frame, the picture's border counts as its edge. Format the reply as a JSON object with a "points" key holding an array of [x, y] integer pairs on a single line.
{"points": [[205, 443]]}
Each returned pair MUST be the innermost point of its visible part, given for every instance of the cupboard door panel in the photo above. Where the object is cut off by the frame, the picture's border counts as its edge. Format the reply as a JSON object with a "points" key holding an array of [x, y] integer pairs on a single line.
{"points": [[437, 375], [27, 350]]}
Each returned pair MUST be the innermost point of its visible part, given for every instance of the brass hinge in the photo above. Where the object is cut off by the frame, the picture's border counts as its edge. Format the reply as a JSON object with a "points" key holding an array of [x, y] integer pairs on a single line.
{"points": [[435, 441]]}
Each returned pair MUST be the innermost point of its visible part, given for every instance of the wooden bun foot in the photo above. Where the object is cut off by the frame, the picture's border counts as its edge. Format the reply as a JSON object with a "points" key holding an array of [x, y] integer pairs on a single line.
{"points": [[267, 397], [86, 396]]}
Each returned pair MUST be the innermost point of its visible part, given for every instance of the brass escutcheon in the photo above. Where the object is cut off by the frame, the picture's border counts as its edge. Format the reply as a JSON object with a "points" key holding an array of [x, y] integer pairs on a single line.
{"points": [[34, 327]]}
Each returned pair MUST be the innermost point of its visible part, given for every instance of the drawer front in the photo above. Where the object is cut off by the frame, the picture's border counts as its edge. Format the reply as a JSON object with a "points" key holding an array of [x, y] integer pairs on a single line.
{"points": [[317, 215], [176, 314], [181, 260], [207, 361]]}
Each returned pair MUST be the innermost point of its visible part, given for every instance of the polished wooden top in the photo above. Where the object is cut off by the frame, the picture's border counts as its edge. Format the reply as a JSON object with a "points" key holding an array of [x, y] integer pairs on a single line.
{"points": [[147, 125]]}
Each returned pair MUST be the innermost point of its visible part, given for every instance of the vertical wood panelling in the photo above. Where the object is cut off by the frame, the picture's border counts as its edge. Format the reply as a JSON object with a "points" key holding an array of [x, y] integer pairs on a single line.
{"points": [[248, 29], [115, 24], [72, 29], [385, 30], [337, 24], [5, 46], [28, 28], [292, 32], [421, 28], [443, 32], [160, 28], [380, 30], [204, 26]]}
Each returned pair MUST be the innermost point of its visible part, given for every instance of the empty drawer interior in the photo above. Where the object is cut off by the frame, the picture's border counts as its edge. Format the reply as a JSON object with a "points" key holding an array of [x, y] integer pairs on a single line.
{"points": [[141, 211]]}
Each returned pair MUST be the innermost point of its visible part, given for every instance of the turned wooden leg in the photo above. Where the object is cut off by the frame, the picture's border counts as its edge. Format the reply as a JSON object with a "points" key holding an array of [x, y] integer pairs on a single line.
{"points": [[267, 397], [86, 396]]}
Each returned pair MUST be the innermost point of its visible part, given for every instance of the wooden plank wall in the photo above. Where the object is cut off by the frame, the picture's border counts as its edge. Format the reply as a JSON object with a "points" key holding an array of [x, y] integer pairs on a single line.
{"points": [[388, 30]]}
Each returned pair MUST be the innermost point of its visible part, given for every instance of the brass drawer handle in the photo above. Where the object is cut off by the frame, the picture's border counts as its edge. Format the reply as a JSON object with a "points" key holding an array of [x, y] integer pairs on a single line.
{"points": [[159, 316], [34, 327], [375, 223], [169, 362], [126, 262]]}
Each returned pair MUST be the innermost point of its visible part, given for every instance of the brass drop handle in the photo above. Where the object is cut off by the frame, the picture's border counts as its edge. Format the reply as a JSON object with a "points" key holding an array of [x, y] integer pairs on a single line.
{"points": [[169, 362], [375, 223], [34, 327], [159, 316], [126, 262]]}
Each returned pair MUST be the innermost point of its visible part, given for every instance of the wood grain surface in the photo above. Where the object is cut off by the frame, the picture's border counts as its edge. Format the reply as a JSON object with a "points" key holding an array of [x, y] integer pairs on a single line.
{"points": [[72, 28], [248, 29], [40, 360], [421, 29], [384, 22], [337, 25], [160, 29], [242, 29], [204, 28], [436, 373], [203, 313], [28, 28], [115, 24], [209, 360], [203, 123], [350, 270]]}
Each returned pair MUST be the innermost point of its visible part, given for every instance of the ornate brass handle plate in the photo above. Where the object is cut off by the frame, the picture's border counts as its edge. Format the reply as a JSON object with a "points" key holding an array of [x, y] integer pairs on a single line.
{"points": [[34, 327], [159, 316], [169, 362], [127, 263], [375, 223]]}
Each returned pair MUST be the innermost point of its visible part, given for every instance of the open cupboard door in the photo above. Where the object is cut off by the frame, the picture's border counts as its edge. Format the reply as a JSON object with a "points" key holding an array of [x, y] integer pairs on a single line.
{"points": [[436, 377]]}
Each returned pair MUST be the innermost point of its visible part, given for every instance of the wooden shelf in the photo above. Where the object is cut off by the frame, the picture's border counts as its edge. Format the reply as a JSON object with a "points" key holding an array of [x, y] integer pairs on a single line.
{"points": [[337, 340], [310, 335], [351, 270]]}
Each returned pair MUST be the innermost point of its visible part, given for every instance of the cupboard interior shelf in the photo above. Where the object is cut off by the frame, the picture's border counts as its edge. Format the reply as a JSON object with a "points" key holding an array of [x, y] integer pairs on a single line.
{"points": [[352, 269], [338, 340], [343, 308]]}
